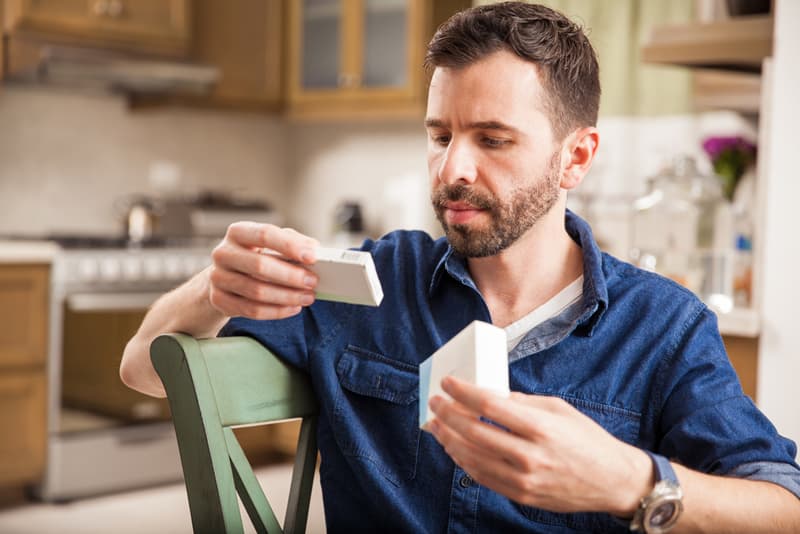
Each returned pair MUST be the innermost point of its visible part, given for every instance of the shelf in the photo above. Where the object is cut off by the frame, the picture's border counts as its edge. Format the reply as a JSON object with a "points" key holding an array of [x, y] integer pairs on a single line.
{"points": [[735, 91], [743, 322], [739, 43]]}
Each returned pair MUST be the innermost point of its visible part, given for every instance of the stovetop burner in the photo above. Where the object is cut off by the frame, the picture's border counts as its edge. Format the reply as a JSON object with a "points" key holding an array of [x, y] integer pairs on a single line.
{"points": [[118, 242], [102, 242]]}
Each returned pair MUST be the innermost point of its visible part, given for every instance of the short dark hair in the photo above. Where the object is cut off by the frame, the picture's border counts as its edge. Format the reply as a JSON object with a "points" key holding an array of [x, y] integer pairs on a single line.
{"points": [[558, 46]]}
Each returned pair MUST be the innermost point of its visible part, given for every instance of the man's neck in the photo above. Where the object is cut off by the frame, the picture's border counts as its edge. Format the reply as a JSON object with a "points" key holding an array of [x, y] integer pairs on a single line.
{"points": [[530, 272]]}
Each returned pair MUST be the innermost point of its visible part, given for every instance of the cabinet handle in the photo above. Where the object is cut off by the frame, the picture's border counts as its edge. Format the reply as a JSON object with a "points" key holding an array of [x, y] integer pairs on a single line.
{"points": [[108, 8], [115, 8], [100, 8], [349, 80]]}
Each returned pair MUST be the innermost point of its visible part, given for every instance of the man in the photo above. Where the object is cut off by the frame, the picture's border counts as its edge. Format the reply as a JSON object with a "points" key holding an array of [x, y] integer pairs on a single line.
{"points": [[614, 370]]}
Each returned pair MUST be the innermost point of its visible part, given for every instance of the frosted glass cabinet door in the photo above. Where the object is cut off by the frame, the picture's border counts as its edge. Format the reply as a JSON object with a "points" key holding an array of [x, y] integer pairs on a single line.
{"points": [[385, 43], [321, 44]]}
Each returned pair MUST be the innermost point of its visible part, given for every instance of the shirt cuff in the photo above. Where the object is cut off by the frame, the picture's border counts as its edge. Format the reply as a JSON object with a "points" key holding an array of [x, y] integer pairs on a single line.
{"points": [[783, 474]]}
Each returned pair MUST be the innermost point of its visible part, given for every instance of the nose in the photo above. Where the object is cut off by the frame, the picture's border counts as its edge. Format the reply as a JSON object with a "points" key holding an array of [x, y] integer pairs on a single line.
{"points": [[458, 164]]}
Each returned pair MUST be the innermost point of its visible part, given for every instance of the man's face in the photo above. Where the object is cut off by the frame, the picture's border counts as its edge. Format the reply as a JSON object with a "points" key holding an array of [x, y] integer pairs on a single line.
{"points": [[492, 159]]}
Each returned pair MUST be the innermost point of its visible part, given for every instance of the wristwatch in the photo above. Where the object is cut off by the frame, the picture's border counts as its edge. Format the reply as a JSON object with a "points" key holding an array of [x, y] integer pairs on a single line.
{"points": [[659, 511]]}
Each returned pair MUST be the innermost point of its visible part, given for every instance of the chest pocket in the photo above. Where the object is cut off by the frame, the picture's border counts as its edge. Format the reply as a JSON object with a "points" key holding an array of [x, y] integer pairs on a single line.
{"points": [[622, 424], [376, 413]]}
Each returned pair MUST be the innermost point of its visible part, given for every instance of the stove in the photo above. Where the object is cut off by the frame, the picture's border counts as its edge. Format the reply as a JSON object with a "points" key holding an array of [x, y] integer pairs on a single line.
{"points": [[102, 436]]}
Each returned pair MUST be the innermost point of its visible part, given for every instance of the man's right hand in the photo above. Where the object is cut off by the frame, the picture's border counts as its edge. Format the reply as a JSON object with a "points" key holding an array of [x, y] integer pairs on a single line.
{"points": [[242, 281], [246, 282]]}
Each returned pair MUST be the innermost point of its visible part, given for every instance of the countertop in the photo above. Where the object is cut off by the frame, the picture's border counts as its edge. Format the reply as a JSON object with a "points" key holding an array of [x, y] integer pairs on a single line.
{"points": [[18, 251]]}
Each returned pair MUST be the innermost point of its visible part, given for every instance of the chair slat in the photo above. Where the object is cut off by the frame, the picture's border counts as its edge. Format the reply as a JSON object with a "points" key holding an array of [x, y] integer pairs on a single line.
{"points": [[218, 383], [255, 502]]}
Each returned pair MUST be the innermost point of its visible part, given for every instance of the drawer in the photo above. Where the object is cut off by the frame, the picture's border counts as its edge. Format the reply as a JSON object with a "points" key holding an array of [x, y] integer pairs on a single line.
{"points": [[23, 315], [23, 420]]}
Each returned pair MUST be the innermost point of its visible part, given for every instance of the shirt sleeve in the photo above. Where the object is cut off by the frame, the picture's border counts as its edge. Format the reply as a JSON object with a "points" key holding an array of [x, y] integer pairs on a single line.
{"points": [[294, 338], [708, 423]]}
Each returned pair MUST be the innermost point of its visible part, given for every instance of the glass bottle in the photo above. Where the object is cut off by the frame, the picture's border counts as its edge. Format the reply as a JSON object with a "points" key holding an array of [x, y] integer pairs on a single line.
{"points": [[681, 228]]}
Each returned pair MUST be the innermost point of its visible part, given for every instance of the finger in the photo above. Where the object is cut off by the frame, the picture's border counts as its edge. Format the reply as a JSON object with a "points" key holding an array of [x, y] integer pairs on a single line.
{"points": [[285, 241], [531, 416], [236, 306], [266, 267], [457, 445], [459, 424], [259, 291]]}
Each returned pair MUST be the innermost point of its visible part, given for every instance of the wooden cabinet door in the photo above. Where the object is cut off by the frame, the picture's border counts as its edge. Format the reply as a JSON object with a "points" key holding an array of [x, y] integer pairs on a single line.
{"points": [[350, 58], [152, 25], [2, 42], [23, 315], [23, 421], [244, 40]]}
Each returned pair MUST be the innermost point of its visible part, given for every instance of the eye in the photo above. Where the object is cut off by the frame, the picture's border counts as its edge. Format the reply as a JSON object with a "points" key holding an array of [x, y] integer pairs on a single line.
{"points": [[493, 142], [441, 139]]}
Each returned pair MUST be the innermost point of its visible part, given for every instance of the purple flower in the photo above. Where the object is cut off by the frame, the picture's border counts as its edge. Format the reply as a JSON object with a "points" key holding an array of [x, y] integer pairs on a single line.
{"points": [[715, 146], [730, 156]]}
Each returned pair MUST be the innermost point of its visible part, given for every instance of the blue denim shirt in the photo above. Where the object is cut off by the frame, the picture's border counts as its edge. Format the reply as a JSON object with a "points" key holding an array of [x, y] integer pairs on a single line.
{"points": [[639, 354]]}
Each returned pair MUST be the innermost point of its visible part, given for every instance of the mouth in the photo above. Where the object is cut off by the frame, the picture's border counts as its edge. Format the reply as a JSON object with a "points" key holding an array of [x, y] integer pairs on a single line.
{"points": [[460, 212]]}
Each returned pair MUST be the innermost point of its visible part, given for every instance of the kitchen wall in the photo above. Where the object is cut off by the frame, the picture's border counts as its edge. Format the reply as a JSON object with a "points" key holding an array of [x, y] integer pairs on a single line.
{"points": [[383, 167], [66, 157], [380, 165]]}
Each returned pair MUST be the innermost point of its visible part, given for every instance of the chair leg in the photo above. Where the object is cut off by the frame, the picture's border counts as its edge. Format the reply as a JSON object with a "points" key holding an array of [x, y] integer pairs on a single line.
{"points": [[305, 464]]}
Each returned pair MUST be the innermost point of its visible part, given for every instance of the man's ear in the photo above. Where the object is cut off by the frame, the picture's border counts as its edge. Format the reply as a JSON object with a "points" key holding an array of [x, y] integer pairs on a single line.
{"points": [[577, 155]]}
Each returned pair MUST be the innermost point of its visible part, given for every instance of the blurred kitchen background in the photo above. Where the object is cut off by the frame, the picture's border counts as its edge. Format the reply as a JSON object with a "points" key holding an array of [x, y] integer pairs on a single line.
{"points": [[132, 132]]}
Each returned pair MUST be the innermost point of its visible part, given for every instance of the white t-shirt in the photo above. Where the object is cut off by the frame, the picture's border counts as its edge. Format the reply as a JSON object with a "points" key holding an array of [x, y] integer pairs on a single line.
{"points": [[562, 300]]}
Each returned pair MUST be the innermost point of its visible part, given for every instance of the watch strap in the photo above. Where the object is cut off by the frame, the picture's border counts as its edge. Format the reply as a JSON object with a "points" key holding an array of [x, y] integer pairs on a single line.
{"points": [[665, 481], [663, 468]]}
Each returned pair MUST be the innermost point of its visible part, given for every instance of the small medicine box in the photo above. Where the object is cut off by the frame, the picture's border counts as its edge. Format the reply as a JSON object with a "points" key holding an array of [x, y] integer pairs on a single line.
{"points": [[478, 355]]}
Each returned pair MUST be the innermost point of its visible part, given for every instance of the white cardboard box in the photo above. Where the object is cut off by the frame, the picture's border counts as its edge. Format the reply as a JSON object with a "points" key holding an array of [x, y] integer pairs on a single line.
{"points": [[478, 355], [345, 276]]}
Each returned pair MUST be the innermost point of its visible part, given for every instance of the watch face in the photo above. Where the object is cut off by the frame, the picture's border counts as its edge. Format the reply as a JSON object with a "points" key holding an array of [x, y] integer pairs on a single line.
{"points": [[663, 514]]}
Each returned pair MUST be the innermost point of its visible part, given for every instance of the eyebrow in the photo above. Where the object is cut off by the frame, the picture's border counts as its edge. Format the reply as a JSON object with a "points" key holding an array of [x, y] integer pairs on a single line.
{"points": [[479, 125]]}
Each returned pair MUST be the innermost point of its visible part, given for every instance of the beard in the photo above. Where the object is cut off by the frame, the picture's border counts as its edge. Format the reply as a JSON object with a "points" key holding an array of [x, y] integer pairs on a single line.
{"points": [[509, 219]]}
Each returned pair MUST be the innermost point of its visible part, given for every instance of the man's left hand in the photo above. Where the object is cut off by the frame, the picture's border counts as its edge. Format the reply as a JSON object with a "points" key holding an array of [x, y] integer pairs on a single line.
{"points": [[551, 456]]}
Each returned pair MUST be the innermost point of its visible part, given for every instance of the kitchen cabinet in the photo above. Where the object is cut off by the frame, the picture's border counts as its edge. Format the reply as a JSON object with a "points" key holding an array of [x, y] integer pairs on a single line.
{"points": [[2, 42], [153, 26], [23, 381], [23, 314], [360, 58], [743, 354], [244, 41]]}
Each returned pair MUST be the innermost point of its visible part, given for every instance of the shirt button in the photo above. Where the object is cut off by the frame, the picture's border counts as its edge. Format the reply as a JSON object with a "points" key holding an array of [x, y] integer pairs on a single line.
{"points": [[466, 481]]}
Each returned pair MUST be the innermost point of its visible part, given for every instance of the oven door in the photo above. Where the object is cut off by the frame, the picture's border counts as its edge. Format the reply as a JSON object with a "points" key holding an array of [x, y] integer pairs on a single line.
{"points": [[96, 328]]}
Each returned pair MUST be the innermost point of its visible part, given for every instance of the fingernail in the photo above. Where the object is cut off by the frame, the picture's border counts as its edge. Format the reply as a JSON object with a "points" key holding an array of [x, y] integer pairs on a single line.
{"points": [[435, 403], [307, 255], [447, 383], [306, 300], [310, 281]]}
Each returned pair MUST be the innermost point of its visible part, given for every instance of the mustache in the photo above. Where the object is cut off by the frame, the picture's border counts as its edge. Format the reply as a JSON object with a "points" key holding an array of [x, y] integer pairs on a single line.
{"points": [[461, 193]]}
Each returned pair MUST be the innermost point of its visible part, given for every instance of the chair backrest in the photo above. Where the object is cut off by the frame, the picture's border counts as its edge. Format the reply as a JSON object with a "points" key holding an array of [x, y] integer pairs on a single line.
{"points": [[214, 385]]}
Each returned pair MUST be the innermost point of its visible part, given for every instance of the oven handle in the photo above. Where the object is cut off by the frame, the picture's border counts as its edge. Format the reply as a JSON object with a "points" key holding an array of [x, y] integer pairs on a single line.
{"points": [[90, 302]]}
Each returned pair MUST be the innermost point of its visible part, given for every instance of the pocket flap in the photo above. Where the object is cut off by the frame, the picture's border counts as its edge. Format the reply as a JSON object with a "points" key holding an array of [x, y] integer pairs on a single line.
{"points": [[368, 373]]}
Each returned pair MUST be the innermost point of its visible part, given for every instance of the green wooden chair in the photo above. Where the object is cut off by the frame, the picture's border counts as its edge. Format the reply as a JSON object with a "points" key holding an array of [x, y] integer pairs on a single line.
{"points": [[214, 385]]}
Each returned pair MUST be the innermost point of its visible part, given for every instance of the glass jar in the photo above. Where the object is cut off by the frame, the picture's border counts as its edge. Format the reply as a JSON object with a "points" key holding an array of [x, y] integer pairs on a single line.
{"points": [[681, 228]]}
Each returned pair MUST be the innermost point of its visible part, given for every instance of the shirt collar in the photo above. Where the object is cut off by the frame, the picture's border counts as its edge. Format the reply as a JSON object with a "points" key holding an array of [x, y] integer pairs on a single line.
{"points": [[595, 290]]}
